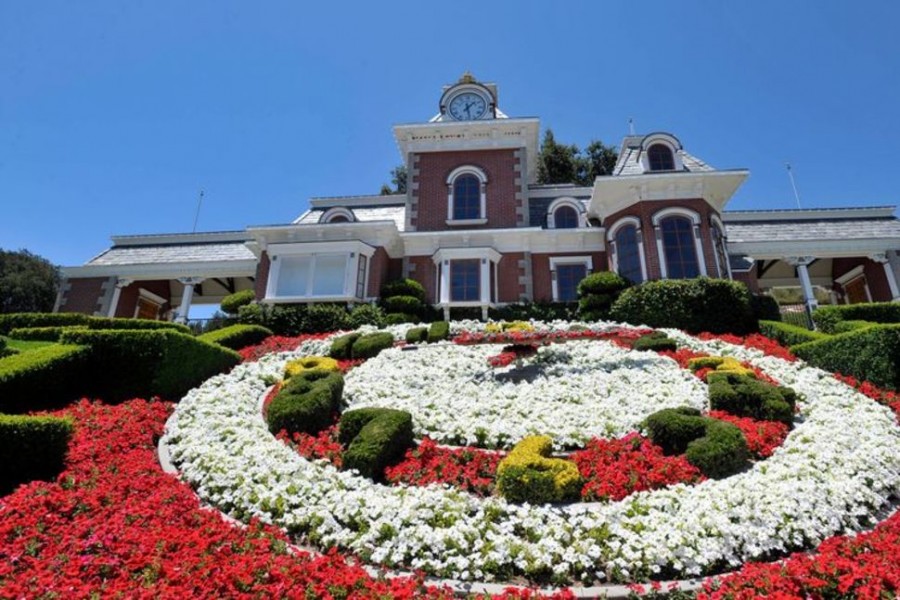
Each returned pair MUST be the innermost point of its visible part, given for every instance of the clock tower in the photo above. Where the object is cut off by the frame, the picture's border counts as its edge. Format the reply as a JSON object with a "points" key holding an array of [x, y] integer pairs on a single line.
{"points": [[468, 100]]}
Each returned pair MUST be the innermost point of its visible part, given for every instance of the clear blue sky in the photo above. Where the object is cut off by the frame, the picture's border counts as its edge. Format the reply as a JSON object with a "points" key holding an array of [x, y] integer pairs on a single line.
{"points": [[113, 115]]}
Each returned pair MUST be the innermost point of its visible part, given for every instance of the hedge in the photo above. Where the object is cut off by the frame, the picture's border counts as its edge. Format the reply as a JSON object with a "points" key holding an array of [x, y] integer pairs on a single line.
{"points": [[537, 311], [827, 317], [597, 292], [409, 305], [365, 314], [232, 303], [370, 344], [787, 334], [42, 334], [341, 346], [694, 305], [295, 319], [236, 336], [31, 448], [656, 341], [529, 474], [746, 396], [43, 378], [871, 354], [417, 335], [12, 321], [438, 331], [144, 363], [307, 402], [374, 438]]}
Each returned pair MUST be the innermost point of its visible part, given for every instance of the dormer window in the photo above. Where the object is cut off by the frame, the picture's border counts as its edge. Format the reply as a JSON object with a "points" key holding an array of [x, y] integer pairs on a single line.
{"points": [[337, 215], [466, 199], [565, 213], [660, 158]]}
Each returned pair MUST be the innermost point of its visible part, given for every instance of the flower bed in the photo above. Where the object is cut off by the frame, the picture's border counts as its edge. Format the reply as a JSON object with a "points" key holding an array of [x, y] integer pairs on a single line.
{"points": [[836, 468]]}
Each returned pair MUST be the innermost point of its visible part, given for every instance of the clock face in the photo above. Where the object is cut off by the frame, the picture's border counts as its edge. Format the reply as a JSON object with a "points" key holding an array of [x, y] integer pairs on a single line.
{"points": [[467, 106]]}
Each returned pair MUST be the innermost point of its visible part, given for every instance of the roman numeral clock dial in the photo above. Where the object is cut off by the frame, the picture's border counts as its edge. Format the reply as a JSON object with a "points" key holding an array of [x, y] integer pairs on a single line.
{"points": [[467, 106]]}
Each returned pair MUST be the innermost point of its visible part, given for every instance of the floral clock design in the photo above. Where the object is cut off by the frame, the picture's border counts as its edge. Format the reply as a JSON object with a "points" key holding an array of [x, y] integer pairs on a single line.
{"points": [[834, 473]]}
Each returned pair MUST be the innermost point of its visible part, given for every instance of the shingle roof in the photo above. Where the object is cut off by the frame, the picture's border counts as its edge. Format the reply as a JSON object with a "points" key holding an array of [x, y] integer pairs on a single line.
{"points": [[629, 163], [811, 229], [173, 253], [396, 213]]}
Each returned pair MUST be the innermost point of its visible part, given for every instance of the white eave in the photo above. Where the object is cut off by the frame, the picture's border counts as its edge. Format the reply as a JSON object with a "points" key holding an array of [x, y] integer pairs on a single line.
{"points": [[355, 201], [614, 193], [823, 248], [794, 214], [179, 238], [206, 269], [374, 233], [520, 239]]}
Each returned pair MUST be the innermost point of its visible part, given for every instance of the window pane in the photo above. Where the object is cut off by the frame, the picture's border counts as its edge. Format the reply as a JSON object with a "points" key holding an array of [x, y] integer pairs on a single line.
{"points": [[464, 278], [361, 277], [660, 158], [679, 248], [721, 254], [628, 257], [466, 197], [567, 279], [328, 278], [565, 217], [293, 275]]}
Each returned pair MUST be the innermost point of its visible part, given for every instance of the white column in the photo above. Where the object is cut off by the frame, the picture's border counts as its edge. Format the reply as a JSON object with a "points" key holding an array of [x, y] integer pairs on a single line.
{"points": [[186, 296], [485, 283], [445, 282], [117, 293], [801, 263], [698, 248], [660, 253], [888, 273]]}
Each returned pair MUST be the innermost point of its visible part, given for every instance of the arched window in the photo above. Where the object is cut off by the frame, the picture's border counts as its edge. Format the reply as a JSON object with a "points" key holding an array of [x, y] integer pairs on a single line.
{"points": [[660, 158], [565, 217], [339, 219], [679, 248], [337, 214], [628, 255], [466, 198]]}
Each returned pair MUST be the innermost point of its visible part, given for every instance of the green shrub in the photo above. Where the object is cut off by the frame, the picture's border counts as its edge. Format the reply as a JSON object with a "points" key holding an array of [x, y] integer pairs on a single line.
{"points": [[417, 335], [402, 304], [323, 318], [694, 305], [845, 326], [787, 334], [341, 346], [31, 448], [232, 303], [524, 484], [765, 307], [871, 354], [42, 334], [522, 474], [746, 396], [307, 403], [374, 438], [144, 363], [826, 318], [403, 287], [438, 331], [236, 336], [537, 311], [721, 452], [371, 344], [11, 321], [597, 292], [715, 447], [295, 319], [252, 314], [134, 324], [656, 341], [365, 314], [400, 319], [43, 378], [465, 313]]}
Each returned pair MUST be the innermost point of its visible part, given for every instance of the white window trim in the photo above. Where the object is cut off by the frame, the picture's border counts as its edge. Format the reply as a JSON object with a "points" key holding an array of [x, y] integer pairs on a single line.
{"points": [[442, 259], [556, 261], [857, 272], [671, 142], [698, 243], [451, 179], [565, 201], [350, 250], [149, 296], [338, 211], [614, 251], [716, 223]]}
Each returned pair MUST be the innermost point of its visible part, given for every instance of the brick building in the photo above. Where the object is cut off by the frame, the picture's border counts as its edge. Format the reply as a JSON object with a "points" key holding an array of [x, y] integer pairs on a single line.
{"points": [[476, 229]]}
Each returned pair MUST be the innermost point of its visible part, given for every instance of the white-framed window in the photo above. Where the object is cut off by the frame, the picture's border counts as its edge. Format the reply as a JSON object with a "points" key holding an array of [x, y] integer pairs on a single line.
{"points": [[337, 215], [565, 213], [320, 271], [467, 196], [661, 152], [148, 305], [566, 272], [626, 248], [465, 276], [855, 286], [720, 250], [678, 243]]}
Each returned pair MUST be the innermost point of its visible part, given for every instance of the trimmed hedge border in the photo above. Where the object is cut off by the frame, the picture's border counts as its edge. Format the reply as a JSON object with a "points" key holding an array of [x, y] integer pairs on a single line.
{"points": [[12, 321], [826, 318], [237, 336], [787, 334], [870, 354], [43, 334], [306, 403], [31, 448], [42, 378], [374, 438]]}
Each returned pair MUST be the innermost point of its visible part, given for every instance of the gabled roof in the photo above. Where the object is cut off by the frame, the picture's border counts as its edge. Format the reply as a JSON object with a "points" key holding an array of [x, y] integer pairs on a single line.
{"points": [[629, 162]]}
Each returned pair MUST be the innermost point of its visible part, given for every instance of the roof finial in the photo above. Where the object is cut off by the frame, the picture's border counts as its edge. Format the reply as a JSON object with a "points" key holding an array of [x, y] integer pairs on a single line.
{"points": [[467, 77], [630, 126]]}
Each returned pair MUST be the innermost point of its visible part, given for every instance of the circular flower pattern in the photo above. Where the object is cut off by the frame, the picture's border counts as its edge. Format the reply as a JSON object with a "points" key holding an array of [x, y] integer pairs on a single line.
{"points": [[836, 469]]}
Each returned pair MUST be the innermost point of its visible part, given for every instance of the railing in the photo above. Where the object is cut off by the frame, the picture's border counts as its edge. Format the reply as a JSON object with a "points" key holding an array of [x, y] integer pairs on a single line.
{"points": [[796, 314]]}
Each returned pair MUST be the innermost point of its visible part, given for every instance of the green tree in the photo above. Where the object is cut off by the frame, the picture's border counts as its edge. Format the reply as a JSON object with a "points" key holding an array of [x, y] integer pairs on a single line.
{"points": [[559, 163], [28, 283], [601, 158], [398, 179]]}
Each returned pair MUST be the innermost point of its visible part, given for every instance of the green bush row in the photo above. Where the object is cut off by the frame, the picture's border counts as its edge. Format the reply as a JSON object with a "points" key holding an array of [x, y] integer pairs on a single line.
{"points": [[787, 334], [356, 345], [42, 378], [297, 319], [716, 448], [12, 321], [870, 354], [42, 334], [31, 448], [236, 336], [826, 318], [537, 311], [374, 438], [597, 292], [232, 303], [307, 403], [747, 396]]}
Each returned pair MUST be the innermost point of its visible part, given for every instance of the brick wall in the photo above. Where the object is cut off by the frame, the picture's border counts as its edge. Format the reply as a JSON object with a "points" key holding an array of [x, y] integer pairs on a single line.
{"points": [[422, 270], [130, 294], [748, 278], [430, 190], [510, 289], [540, 267], [873, 271], [262, 276], [83, 295], [379, 266]]}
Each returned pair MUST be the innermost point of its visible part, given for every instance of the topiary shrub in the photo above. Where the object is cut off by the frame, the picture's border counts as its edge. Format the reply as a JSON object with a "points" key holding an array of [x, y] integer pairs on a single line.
{"points": [[871, 354], [402, 304], [745, 396], [597, 292], [826, 318], [694, 305], [528, 474], [672, 429], [374, 438], [31, 448], [787, 334], [403, 287], [438, 331], [306, 403], [656, 341], [371, 344], [417, 335], [232, 303], [43, 378], [400, 319], [765, 308], [340, 346], [310, 363], [11, 321], [365, 314], [41, 334], [236, 336]]}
